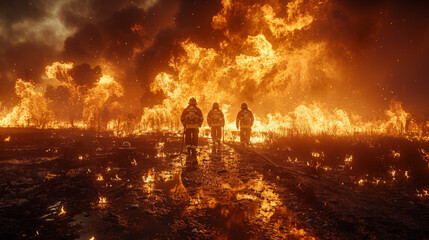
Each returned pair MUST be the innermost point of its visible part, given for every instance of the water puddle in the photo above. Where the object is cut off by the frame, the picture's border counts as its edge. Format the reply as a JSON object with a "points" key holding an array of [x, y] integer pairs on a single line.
{"points": [[215, 195]]}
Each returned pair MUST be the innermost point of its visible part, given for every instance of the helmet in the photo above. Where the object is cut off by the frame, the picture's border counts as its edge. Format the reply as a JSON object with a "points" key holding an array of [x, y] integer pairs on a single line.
{"points": [[216, 105], [126, 144], [192, 101], [244, 105]]}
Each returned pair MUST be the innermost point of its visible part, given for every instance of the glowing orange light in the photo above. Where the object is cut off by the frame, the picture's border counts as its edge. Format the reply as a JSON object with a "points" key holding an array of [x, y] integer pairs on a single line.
{"points": [[62, 211]]}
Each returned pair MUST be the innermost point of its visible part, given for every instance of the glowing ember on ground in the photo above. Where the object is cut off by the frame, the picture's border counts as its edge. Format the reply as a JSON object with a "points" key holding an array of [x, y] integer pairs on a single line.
{"points": [[62, 211], [393, 174], [7, 139], [395, 154], [134, 162], [423, 193], [348, 160], [102, 200], [150, 176], [100, 177]]}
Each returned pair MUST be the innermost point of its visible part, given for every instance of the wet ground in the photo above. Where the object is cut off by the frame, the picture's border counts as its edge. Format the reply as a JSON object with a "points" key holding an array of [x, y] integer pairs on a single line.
{"points": [[215, 195], [78, 186]]}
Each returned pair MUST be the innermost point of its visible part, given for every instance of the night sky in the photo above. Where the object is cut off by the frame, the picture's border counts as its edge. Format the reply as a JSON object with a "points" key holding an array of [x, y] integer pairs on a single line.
{"points": [[383, 45]]}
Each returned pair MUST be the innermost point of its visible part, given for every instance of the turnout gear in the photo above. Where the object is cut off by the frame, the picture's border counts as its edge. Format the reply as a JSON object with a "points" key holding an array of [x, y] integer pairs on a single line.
{"points": [[216, 120], [192, 119], [244, 122]]}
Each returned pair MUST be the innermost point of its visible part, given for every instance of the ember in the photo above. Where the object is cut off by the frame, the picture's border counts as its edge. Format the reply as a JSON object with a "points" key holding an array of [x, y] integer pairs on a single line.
{"points": [[62, 211], [100, 177]]}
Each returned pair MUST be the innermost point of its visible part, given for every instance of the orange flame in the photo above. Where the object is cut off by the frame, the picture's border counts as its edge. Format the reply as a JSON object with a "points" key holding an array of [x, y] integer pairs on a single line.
{"points": [[62, 211], [260, 64]]}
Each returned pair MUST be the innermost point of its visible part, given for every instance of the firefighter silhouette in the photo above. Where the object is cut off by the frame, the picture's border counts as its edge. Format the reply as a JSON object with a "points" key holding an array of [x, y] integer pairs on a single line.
{"points": [[244, 122], [192, 119], [216, 120]]}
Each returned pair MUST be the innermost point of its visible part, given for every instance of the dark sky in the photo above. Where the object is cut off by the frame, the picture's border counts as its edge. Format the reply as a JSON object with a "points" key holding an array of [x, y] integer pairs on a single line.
{"points": [[383, 45]]}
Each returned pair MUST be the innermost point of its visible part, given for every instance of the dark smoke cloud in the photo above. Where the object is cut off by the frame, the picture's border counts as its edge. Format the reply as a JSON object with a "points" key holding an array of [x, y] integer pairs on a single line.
{"points": [[383, 47], [20, 58], [119, 38], [36, 33], [14, 11], [192, 21], [380, 44], [84, 75]]}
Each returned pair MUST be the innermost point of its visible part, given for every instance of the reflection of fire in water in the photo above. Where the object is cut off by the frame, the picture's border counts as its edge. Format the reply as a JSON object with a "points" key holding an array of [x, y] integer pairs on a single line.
{"points": [[160, 150], [423, 193], [117, 178], [348, 160], [268, 200], [238, 202], [150, 177], [102, 201], [149, 181]]}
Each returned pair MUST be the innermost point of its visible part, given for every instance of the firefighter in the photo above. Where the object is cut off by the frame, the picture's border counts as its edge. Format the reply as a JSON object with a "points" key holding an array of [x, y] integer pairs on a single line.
{"points": [[244, 122], [192, 119], [216, 121]]}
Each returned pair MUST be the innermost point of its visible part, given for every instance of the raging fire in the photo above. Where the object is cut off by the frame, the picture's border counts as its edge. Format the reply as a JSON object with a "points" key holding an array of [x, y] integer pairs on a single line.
{"points": [[264, 66]]}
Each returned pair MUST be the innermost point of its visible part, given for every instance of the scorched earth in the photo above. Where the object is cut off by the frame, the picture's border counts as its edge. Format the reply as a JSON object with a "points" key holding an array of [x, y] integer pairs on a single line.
{"points": [[76, 184]]}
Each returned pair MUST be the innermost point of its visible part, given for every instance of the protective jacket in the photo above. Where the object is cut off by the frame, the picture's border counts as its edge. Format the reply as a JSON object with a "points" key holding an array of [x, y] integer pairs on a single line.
{"points": [[192, 117], [244, 119], [215, 118]]}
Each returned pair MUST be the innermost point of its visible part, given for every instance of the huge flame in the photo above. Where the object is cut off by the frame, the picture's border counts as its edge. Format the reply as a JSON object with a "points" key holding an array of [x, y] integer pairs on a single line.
{"points": [[264, 59]]}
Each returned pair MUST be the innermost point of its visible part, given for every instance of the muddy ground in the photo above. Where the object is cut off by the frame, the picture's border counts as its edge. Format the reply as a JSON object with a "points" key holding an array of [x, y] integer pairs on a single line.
{"points": [[71, 184]]}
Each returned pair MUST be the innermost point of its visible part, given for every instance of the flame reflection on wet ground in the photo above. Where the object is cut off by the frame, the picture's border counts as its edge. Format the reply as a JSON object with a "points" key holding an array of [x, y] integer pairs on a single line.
{"points": [[215, 195]]}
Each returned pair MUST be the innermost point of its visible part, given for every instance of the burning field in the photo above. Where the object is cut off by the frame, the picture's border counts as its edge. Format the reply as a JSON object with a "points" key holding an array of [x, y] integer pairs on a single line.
{"points": [[91, 97]]}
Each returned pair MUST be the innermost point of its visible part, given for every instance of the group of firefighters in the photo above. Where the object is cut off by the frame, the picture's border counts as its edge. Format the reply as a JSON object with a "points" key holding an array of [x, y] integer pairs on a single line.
{"points": [[192, 119]]}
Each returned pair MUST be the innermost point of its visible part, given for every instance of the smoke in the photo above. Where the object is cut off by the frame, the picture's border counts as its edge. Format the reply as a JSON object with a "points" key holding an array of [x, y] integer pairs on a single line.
{"points": [[84, 75], [379, 47], [383, 47]]}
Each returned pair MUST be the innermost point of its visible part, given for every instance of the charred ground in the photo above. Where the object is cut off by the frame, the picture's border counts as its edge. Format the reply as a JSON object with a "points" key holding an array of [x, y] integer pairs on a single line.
{"points": [[294, 188]]}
